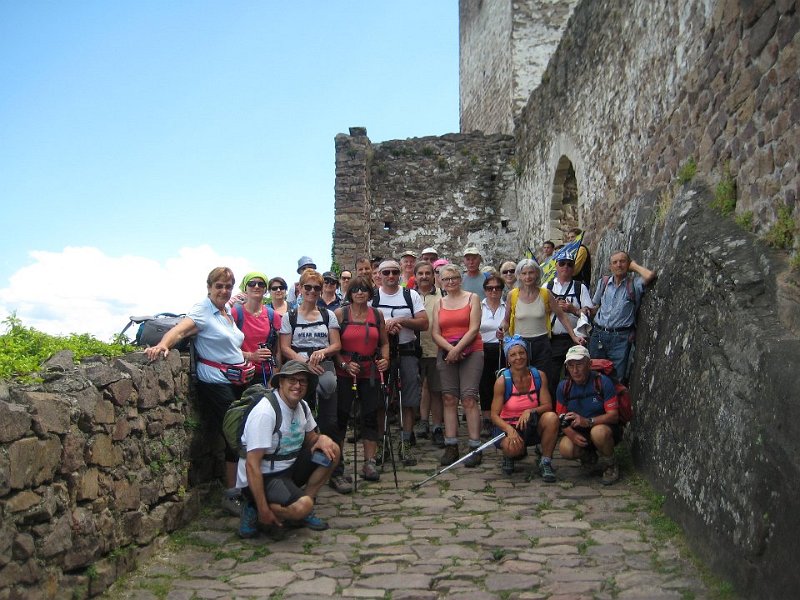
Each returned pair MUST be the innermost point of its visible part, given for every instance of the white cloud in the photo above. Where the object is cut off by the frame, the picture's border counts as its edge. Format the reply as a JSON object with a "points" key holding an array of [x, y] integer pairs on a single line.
{"points": [[82, 290]]}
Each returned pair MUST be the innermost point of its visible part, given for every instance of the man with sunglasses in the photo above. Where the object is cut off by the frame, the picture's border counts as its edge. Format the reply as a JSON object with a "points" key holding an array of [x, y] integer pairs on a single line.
{"points": [[574, 299], [405, 315], [329, 298]]}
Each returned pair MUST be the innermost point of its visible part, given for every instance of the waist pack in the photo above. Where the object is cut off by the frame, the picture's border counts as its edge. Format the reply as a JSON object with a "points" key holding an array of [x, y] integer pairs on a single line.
{"points": [[238, 374], [153, 327]]}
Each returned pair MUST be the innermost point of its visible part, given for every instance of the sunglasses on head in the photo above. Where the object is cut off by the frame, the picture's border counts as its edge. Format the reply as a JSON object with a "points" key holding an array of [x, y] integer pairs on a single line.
{"points": [[256, 284], [308, 287], [566, 263], [277, 288], [389, 272]]}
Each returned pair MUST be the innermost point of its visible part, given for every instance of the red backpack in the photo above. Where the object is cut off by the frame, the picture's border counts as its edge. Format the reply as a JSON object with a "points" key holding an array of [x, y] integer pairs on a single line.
{"points": [[606, 367]]}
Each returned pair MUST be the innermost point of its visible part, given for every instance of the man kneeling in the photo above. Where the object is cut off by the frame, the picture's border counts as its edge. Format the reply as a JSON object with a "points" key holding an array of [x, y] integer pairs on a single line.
{"points": [[586, 403], [279, 462]]}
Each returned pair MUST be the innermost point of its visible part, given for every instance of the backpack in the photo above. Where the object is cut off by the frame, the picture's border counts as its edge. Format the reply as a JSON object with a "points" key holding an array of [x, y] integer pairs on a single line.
{"points": [[236, 418], [376, 303], [537, 382], [574, 286], [585, 274], [629, 289], [346, 318], [513, 296], [293, 319], [237, 311], [606, 367], [153, 328]]}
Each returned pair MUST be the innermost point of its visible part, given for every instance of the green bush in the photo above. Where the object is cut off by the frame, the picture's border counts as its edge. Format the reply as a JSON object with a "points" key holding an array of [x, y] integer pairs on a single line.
{"points": [[781, 234], [745, 220], [687, 172], [725, 194], [23, 349]]}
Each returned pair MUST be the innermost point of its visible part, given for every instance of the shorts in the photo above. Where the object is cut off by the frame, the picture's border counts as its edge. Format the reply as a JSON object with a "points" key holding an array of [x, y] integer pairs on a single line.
{"points": [[462, 379], [285, 487], [430, 373], [530, 436], [616, 432]]}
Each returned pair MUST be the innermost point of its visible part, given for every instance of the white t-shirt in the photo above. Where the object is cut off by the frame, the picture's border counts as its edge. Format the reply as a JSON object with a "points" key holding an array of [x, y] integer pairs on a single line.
{"points": [[314, 337], [259, 433], [568, 290], [393, 306]]}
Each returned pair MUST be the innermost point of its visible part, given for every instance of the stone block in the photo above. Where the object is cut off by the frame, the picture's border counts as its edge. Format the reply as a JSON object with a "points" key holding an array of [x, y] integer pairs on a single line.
{"points": [[101, 375], [22, 501], [64, 360], [23, 547], [104, 412], [103, 452], [87, 485], [33, 461], [126, 495], [15, 421], [72, 456], [58, 539], [51, 412], [121, 430], [121, 391], [5, 474]]}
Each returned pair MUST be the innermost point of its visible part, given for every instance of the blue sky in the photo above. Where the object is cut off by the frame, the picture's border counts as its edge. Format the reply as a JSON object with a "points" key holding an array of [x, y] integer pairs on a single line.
{"points": [[144, 143]]}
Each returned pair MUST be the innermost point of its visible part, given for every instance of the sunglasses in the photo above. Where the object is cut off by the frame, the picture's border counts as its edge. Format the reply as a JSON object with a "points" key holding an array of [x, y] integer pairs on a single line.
{"points": [[508, 272], [277, 288], [390, 272], [343, 278], [493, 288], [331, 281], [359, 288], [565, 263], [256, 284], [317, 288]]}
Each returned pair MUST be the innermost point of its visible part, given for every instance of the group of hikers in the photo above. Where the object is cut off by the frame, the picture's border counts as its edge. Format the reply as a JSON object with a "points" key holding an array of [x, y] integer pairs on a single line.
{"points": [[409, 339]]}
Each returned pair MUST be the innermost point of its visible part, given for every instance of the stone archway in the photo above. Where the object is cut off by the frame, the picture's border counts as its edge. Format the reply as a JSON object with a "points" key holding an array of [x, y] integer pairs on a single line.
{"points": [[564, 200]]}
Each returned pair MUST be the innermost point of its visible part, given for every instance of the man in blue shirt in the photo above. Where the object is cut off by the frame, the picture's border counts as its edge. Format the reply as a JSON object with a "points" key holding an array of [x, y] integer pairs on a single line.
{"points": [[616, 301]]}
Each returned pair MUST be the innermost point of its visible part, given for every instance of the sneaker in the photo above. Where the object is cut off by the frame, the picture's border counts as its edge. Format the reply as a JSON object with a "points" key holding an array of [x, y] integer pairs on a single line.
{"points": [[546, 471], [341, 484], [450, 455], [312, 521], [610, 471], [422, 430], [379, 454], [438, 437], [369, 471], [474, 460], [408, 458], [589, 461], [248, 520], [486, 429], [508, 465], [232, 503]]}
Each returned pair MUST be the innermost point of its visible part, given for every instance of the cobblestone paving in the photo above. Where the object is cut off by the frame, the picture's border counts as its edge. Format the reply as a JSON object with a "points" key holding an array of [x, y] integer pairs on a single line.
{"points": [[474, 533]]}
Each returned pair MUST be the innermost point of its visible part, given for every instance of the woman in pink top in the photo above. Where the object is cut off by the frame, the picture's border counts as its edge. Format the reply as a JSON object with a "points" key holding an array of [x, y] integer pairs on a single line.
{"points": [[455, 329]]}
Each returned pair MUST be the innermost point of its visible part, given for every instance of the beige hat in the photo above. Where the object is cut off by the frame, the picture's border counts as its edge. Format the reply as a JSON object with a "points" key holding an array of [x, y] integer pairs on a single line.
{"points": [[389, 264], [429, 251], [472, 250], [293, 367], [408, 253], [577, 353]]}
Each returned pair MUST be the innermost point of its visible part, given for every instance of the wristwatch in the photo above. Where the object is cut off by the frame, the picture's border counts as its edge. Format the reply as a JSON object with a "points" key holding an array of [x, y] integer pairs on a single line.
{"points": [[344, 366]]}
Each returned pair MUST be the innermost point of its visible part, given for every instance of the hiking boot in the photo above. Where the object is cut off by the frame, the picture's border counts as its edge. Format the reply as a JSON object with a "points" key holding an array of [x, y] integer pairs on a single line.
{"points": [[438, 437], [341, 484], [474, 460], [248, 520], [422, 430], [314, 522], [486, 429], [369, 472], [610, 470], [508, 465], [589, 461], [450, 455], [408, 458], [546, 471], [232, 503]]}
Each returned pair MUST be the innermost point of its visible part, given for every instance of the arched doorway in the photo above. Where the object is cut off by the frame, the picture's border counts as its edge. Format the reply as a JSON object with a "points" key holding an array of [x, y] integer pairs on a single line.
{"points": [[564, 201]]}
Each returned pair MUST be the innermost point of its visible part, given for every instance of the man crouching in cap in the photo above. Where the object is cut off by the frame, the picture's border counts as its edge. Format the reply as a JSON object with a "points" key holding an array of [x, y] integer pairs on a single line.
{"points": [[279, 462]]}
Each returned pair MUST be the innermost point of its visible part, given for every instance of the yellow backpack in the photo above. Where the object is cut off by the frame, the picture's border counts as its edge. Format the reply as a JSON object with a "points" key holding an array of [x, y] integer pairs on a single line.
{"points": [[513, 296]]}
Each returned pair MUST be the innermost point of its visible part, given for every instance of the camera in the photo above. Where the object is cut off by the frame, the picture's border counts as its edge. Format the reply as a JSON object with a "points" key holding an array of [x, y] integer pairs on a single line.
{"points": [[271, 360], [565, 421]]}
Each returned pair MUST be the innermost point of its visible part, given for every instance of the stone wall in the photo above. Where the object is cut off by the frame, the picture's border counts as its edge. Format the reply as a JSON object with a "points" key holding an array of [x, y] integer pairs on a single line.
{"points": [[97, 462], [504, 49], [637, 89], [716, 386], [447, 192]]}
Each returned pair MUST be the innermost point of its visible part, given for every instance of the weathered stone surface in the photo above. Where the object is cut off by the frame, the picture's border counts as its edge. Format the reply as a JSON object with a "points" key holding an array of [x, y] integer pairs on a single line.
{"points": [[121, 391], [74, 448], [22, 501], [51, 412], [88, 485], [63, 360], [15, 421], [33, 461], [101, 374], [101, 451]]}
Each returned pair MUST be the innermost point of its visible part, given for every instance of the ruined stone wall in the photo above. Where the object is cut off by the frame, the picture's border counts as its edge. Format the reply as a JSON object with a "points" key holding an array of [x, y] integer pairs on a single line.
{"points": [[97, 462], [447, 192], [636, 89], [504, 49]]}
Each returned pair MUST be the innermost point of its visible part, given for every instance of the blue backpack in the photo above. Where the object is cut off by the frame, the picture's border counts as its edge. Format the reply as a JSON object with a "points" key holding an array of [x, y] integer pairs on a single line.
{"points": [[537, 381]]}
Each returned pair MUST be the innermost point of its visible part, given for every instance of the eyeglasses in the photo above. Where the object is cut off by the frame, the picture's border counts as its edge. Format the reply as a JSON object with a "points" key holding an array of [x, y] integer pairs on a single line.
{"points": [[451, 279], [317, 288], [565, 263], [293, 381], [508, 272], [359, 288], [493, 288], [390, 272], [278, 288], [223, 286], [256, 284]]}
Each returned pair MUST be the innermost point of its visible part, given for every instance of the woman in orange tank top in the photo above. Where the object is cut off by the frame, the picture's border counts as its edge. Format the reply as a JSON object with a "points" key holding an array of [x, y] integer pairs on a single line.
{"points": [[455, 329]]}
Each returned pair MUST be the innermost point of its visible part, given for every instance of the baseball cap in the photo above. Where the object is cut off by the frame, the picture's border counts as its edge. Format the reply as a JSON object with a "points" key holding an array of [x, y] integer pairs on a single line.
{"points": [[330, 275], [471, 250], [577, 353], [408, 253], [430, 251]]}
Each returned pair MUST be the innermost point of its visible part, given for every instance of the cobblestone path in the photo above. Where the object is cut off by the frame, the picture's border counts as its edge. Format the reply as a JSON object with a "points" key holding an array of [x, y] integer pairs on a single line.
{"points": [[472, 533]]}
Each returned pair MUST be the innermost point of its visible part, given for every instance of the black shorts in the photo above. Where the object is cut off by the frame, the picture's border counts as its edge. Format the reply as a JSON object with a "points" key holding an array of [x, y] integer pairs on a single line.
{"points": [[616, 431], [284, 487]]}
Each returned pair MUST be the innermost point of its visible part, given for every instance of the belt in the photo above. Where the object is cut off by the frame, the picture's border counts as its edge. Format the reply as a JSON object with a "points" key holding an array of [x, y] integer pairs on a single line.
{"points": [[411, 344], [613, 329], [560, 335]]}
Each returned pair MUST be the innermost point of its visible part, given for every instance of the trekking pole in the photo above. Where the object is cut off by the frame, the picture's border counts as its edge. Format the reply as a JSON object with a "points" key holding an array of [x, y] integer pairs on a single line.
{"points": [[387, 432], [480, 448], [355, 435]]}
